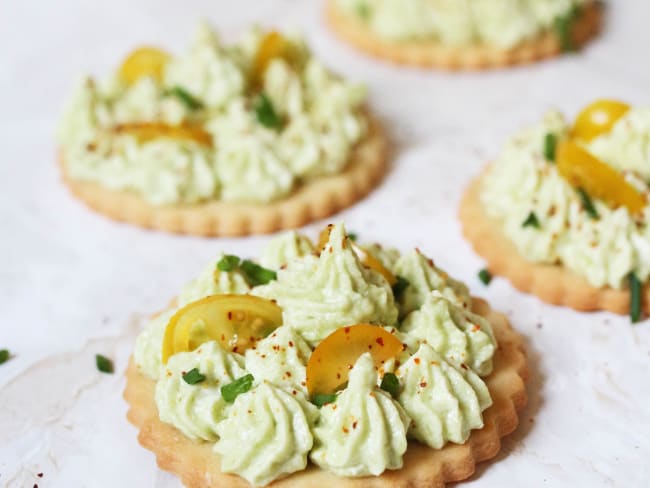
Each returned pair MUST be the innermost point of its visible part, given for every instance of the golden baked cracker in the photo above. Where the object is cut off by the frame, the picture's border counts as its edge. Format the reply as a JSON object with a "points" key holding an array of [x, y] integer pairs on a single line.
{"points": [[311, 201], [477, 57], [552, 283], [198, 466]]}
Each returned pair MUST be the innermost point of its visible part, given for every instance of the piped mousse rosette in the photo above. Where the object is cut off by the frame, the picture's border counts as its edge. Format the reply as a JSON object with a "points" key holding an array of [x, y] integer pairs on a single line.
{"points": [[327, 364], [465, 34], [228, 139], [564, 211]]}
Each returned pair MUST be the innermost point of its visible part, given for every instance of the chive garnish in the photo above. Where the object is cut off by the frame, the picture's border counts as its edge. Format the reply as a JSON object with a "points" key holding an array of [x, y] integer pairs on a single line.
{"points": [[4, 355], [564, 29], [531, 221], [189, 100], [635, 298], [232, 390], [103, 364], [363, 10], [256, 274], [485, 276], [265, 112], [193, 376], [390, 384], [588, 204], [550, 144], [320, 399], [400, 285], [353, 236], [228, 263]]}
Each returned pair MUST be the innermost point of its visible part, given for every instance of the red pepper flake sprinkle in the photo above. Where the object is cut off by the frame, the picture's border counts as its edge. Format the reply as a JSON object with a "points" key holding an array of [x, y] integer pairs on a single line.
{"points": [[289, 374], [223, 337], [423, 384], [338, 376], [234, 349], [464, 366], [416, 360], [369, 346], [346, 330], [229, 315], [476, 328], [380, 341], [354, 424], [40, 475], [290, 343]]}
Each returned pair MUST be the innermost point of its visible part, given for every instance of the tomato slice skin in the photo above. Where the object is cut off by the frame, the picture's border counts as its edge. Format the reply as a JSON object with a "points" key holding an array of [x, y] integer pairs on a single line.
{"points": [[330, 363], [149, 131], [142, 62], [237, 322], [598, 118], [599, 180]]}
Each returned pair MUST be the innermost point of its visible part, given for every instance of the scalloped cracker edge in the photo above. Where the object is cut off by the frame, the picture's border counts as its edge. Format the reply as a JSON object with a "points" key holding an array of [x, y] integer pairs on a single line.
{"points": [[433, 54], [551, 283], [198, 466], [311, 201]]}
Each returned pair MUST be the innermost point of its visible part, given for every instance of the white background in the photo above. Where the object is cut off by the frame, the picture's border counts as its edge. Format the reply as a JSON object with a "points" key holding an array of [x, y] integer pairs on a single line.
{"points": [[73, 283]]}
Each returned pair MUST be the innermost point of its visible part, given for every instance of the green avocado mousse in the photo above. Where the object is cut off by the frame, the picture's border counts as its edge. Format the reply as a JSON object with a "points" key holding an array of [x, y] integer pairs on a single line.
{"points": [[329, 357]]}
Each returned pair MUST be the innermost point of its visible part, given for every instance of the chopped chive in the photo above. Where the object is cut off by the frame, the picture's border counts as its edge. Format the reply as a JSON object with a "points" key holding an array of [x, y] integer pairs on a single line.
{"points": [[485, 276], [232, 390], [256, 274], [321, 399], [635, 298], [4, 355], [564, 29], [103, 364], [189, 100], [363, 10], [400, 286], [550, 144], [228, 263], [390, 384], [193, 376], [265, 112], [352, 236], [531, 221], [588, 204]]}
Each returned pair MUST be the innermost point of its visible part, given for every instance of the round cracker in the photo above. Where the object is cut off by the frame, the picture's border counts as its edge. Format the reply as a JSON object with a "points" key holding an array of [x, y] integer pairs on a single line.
{"points": [[197, 465], [434, 54], [313, 200], [553, 284]]}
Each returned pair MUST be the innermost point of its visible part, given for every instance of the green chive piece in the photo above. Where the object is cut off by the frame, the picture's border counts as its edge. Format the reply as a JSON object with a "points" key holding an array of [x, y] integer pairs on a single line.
{"points": [[256, 274], [228, 263], [485, 276], [635, 298], [232, 390], [531, 221], [564, 29], [320, 399], [353, 236], [588, 204], [4, 355], [390, 384], [550, 144], [363, 11], [103, 364], [265, 112], [193, 376], [400, 285], [189, 100]]}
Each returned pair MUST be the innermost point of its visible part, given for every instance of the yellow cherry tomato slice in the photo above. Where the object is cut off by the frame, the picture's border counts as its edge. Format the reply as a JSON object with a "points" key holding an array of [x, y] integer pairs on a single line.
{"points": [[583, 170], [144, 62], [598, 118], [236, 321], [331, 361], [365, 257], [273, 45], [148, 131]]}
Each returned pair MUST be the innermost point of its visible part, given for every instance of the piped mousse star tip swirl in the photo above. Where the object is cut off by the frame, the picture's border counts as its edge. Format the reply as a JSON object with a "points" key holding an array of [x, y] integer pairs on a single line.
{"points": [[433, 54], [553, 284], [311, 201], [198, 466]]}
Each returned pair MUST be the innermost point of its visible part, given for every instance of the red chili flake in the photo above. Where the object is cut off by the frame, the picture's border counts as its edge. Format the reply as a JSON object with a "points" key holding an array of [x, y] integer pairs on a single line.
{"points": [[290, 343], [476, 328], [289, 374], [354, 424], [346, 330], [369, 346], [430, 263], [223, 337], [423, 384], [234, 349], [464, 366], [397, 364], [416, 360], [380, 341], [338, 376], [403, 347], [294, 392], [350, 366], [229, 315], [40, 475], [273, 300]]}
